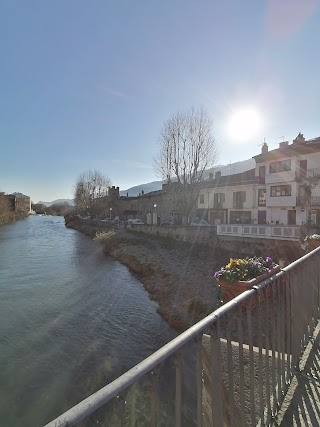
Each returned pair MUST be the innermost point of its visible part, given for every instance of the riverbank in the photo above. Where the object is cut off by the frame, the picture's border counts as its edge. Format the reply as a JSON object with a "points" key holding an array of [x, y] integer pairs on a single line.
{"points": [[177, 275], [8, 217]]}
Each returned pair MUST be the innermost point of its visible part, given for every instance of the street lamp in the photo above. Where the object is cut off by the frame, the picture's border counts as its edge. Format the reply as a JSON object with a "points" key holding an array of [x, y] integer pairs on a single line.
{"points": [[110, 213], [155, 219]]}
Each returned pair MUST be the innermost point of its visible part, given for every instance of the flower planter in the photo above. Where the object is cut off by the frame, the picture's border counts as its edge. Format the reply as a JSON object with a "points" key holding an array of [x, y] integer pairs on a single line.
{"points": [[231, 290], [313, 244]]}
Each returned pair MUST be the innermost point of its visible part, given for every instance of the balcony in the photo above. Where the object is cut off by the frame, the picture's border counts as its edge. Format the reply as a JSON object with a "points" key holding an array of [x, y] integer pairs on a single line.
{"points": [[313, 173], [238, 374], [315, 201]]}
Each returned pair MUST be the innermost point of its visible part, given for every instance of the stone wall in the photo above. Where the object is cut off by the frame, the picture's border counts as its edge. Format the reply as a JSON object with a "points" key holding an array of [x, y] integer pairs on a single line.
{"points": [[284, 250], [179, 232]]}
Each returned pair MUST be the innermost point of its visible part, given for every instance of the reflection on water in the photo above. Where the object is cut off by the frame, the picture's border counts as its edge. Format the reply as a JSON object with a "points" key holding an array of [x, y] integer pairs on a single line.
{"points": [[72, 320]]}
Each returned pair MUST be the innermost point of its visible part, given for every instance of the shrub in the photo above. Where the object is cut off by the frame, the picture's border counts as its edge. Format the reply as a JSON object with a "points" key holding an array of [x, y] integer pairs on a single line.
{"points": [[102, 236]]}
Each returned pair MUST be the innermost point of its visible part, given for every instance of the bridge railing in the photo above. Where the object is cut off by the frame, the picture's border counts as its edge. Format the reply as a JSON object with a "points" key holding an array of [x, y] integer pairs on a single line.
{"points": [[231, 368]]}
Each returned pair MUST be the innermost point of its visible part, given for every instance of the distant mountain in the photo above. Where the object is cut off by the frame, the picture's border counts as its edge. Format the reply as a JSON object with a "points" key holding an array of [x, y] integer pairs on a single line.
{"points": [[230, 169], [149, 186], [58, 202]]}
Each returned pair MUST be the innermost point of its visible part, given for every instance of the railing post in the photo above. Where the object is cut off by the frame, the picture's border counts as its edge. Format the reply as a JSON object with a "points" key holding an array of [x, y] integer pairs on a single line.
{"points": [[261, 405], [178, 399], [250, 338], [216, 386], [199, 378], [154, 377], [241, 365], [230, 371]]}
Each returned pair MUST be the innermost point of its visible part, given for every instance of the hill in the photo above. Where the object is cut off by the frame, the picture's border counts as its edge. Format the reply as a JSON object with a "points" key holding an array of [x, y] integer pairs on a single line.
{"points": [[58, 202], [230, 169]]}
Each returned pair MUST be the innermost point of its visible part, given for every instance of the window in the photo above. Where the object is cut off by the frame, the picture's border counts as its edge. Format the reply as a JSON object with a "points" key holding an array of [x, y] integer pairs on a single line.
{"points": [[219, 198], [201, 199], [262, 193], [283, 166], [238, 198], [280, 190]]}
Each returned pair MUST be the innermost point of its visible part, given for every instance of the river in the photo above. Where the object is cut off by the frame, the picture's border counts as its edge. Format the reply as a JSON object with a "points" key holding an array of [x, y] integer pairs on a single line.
{"points": [[71, 320]]}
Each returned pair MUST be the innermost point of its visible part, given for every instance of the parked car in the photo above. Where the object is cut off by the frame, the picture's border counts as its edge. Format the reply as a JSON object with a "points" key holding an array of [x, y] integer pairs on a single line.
{"points": [[200, 223], [135, 222], [167, 224]]}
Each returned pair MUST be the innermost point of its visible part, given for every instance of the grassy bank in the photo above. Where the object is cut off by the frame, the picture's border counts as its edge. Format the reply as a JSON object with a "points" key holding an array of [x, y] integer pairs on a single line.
{"points": [[178, 275], [8, 217]]}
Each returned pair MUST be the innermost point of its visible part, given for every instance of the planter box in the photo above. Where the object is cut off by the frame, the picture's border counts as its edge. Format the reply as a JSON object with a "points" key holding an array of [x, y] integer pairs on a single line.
{"points": [[313, 244], [232, 290]]}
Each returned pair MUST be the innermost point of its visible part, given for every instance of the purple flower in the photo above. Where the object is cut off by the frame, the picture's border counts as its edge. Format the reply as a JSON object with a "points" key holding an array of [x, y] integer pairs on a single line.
{"points": [[216, 274]]}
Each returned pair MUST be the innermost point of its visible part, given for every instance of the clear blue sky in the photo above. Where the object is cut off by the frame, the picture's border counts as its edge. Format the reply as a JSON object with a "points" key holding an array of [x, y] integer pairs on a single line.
{"points": [[88, 84]]}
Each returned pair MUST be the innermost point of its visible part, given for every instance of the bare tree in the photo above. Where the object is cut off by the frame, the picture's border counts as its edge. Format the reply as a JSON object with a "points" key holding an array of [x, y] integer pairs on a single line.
{"points": [[91, 190], [187, 149]]}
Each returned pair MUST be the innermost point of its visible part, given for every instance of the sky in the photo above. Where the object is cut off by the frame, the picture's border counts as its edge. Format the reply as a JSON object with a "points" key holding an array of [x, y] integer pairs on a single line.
{"points": [[88, 85]]}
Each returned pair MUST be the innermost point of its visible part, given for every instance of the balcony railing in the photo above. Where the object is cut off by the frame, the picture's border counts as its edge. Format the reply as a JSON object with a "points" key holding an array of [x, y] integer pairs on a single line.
{"points": [[313, 173], [285, 232], [315, 201], [239, 371]]}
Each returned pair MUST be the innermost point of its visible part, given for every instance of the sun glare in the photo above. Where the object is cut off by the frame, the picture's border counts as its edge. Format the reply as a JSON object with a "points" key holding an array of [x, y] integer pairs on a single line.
{"points": [[244, 124]]}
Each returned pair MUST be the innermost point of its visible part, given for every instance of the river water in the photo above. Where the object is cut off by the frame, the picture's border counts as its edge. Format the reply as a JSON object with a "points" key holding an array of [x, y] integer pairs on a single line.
{"points": [[71, 320]]}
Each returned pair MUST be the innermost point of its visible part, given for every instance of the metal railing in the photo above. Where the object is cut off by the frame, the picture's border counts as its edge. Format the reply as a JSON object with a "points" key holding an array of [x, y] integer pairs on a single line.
{"points": [[285, 232], [237, 374], [315, 201]]}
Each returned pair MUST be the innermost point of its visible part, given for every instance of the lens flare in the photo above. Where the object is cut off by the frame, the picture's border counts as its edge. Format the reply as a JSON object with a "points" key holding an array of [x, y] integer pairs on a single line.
{"points": [[244, 124]]}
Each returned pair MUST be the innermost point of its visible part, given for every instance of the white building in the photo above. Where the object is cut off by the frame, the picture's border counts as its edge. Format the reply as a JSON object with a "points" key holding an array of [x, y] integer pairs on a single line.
{"points": [[283, 189], [228, 199], [288, 192]]}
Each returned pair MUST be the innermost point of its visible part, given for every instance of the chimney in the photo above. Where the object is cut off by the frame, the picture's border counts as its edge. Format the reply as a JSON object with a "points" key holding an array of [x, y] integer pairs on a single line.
{"points": [[300, 139], [283, 144], [127, 194], [210, 175], [142, 192], [217, 174], [264, 148]]}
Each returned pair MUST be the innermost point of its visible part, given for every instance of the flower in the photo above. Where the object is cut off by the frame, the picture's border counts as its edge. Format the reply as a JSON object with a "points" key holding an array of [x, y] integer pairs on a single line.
{"points": [[245, 269], [312, 237]]}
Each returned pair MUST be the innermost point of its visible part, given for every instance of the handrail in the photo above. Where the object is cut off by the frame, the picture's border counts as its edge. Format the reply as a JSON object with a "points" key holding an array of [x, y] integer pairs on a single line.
{"points": [[102, 396], [122, 383]]}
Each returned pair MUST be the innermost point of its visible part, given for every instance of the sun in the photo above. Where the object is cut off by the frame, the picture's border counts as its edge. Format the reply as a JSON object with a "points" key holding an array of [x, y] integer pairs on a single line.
{"points": [[244, 124]]}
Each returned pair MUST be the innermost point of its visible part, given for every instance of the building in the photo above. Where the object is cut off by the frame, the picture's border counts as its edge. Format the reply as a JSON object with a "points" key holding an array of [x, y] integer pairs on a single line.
{"points": [[288, 178], [20, 202], [282, 189], [228, 199]]}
